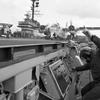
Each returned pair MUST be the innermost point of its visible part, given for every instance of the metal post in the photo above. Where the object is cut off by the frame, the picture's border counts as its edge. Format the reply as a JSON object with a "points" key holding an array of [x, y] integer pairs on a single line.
{"points": [[33, 1], [19, 95], [33, 7], [33, 10]]}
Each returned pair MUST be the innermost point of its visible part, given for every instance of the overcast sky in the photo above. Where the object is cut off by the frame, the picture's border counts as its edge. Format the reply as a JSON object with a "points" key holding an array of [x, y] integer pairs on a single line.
{"points": [[81, 12]]}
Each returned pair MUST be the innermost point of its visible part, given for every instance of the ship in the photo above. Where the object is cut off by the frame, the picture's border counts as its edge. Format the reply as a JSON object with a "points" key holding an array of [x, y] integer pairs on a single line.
{"points": [[28, 28]]}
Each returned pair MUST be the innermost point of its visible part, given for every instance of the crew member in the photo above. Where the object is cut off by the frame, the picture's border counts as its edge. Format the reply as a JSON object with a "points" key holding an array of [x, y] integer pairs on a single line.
{"points": [[92, 90]]}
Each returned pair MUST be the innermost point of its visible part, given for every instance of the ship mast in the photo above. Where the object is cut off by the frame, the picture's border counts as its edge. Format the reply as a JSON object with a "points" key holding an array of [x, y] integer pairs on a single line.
{"points": [[35, 3]]}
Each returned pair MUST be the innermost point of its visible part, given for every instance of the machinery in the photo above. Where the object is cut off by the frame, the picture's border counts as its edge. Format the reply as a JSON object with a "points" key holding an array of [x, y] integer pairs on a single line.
{"points": [[36, 70]]}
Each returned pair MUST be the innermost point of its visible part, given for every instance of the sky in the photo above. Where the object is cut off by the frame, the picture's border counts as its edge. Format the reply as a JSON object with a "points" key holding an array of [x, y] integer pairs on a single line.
{"points": [[80, 12]]}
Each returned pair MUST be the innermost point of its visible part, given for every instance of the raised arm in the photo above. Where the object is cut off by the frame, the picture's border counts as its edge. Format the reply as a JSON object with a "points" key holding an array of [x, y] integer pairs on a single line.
{"points": [[93, 38], [96, 40], [83, 68]]}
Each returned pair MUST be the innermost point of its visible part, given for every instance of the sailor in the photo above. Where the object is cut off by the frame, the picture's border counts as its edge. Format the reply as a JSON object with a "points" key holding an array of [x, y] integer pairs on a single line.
{"points": [[2, 31], [72, 31], [92, 90]]}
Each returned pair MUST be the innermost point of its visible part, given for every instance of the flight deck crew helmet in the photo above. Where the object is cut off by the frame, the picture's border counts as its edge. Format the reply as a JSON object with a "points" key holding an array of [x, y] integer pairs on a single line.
{"points": [[86, 53], [71, 28]]}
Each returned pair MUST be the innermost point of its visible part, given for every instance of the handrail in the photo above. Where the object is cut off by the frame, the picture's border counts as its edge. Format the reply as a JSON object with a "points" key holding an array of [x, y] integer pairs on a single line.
{"points": [[5, 43], [11, 49]]}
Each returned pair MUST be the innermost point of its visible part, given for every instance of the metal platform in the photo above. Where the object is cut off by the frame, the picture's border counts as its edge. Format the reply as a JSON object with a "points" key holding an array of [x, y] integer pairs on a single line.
{"points": [[25, 42]]}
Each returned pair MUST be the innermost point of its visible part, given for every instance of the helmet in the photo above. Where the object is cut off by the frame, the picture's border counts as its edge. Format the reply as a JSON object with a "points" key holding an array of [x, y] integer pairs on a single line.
{"points": [[71, 28], [86, 53]]}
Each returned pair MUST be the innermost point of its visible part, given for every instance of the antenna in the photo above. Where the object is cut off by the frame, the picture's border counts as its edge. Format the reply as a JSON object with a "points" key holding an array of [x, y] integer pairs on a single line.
{"points": [[70, 22]]}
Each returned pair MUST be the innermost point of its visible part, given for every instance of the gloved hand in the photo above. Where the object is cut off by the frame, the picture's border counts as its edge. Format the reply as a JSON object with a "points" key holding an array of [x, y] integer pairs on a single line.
{"points": [[73, 70]]}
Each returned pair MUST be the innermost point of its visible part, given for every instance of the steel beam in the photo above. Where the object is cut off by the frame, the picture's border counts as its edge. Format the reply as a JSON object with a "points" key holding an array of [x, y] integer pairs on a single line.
{"points": [[19, 95], [12, 70]]}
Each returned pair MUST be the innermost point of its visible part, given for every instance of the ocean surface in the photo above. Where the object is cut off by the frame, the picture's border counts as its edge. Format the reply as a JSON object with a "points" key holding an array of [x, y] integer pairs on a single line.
{"points": [[96, 32]]}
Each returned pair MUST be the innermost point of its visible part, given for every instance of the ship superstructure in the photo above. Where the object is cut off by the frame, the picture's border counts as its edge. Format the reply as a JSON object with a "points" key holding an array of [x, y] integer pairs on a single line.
{"points": [[28, 27]]}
